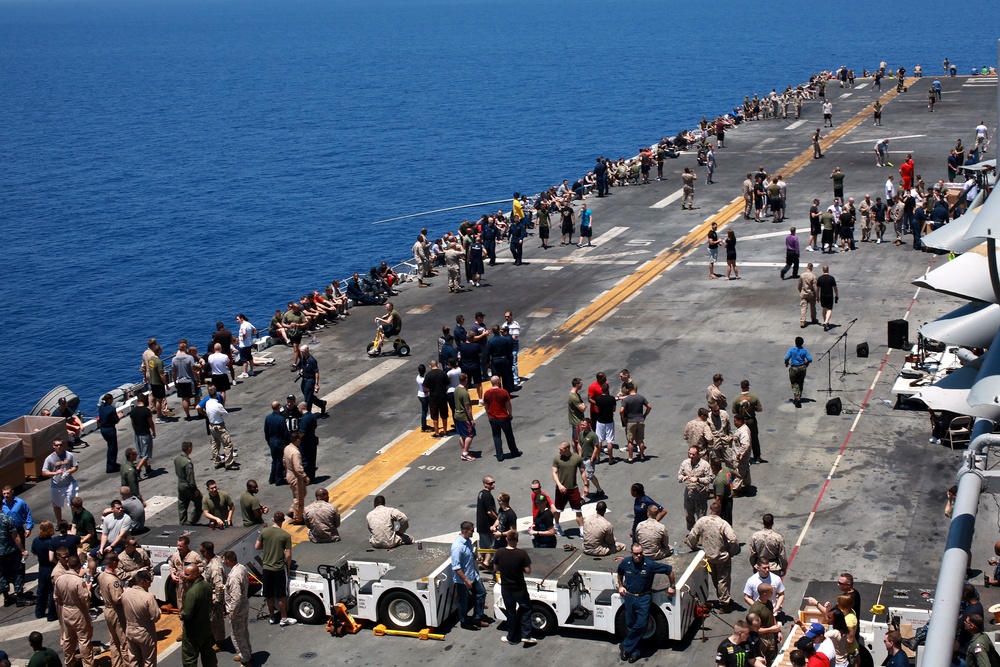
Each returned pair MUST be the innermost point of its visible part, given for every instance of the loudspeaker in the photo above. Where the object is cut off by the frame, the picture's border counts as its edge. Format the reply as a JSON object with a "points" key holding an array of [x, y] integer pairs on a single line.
{"points": [[834, 407], [863, 350], [899, 333]]}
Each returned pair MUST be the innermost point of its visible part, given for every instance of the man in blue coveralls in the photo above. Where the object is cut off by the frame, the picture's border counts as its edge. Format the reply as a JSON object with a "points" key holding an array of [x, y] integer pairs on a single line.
{"points": [[635, 585]]}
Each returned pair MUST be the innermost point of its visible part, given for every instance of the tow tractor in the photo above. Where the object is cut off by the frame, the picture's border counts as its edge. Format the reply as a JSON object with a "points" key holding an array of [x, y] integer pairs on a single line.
{"points": [[575, 590], [407, 588]]}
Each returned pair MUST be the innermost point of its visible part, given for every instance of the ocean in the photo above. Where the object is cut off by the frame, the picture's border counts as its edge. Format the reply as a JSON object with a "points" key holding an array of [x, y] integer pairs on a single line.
{"points": [[165, 164]]}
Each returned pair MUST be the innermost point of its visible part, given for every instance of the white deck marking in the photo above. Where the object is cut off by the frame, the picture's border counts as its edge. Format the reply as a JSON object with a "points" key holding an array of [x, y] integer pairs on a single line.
{"points": [[768, 265], [891, 139], [598, 242], [669, 199], [331, 485], [552, 268], [762, 144], [845, 95], [798, 123], [357, 384], [769, 235]]}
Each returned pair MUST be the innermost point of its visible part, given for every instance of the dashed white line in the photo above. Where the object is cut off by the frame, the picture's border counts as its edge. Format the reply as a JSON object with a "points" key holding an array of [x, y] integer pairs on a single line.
{"points": [[669, 199], [357, 384]]}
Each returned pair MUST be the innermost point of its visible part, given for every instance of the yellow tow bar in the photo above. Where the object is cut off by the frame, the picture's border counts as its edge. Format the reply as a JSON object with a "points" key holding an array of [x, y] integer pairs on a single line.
{"points": [[423, 635]]}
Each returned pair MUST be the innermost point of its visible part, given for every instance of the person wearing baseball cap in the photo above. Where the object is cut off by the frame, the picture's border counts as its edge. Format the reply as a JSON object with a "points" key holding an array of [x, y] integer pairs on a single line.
{"points": [[806, 649], [823, 644]]}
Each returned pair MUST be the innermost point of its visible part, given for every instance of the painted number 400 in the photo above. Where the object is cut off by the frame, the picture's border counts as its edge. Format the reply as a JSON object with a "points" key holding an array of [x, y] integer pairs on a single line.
{"points": [[434, 468]]}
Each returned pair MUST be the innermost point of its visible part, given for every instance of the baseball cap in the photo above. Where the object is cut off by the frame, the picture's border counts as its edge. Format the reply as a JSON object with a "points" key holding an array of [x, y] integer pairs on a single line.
{"points": [[815, 630], [62, 400], [803, 643], [290, 397]]}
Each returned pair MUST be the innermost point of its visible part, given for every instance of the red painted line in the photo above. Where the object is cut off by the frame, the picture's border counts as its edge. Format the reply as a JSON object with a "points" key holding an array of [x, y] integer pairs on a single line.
{"points": [[850, 433]]}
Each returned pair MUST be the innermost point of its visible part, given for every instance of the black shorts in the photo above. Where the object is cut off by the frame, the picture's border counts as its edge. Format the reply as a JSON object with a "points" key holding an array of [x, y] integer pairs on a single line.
{"points": [[158, 390], [475, 375], [567, 227], [438, 410], [815, 227], [827, 236], [826, 302], [184, 389], [543, 232], [586, 231], [274, 584], [221, 382], [389, 330], [246, 355], [295, 338]]}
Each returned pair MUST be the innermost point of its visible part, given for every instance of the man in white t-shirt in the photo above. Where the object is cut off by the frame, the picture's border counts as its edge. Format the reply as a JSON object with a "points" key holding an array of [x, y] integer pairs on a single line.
{"points": [[218, 364], [890, 190], [514, 329], [244, 341], [761, 576], [982, 135], [59, 467]]}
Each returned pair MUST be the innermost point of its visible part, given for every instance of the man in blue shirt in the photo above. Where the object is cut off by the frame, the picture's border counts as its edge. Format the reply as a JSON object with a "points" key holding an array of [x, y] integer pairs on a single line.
{"points": [[797, 360], [465, 574], [635, 585], [20, 514]]}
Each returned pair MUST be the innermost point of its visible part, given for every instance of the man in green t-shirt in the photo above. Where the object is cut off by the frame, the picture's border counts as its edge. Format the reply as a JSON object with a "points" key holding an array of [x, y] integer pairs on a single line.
{"points": [[253, 512], [217, 506], [157, 382], [590, 452], [465, 425], [44, 656], [564, 468], [83, 521], [276, 560], [295, 323], [723, 488]]}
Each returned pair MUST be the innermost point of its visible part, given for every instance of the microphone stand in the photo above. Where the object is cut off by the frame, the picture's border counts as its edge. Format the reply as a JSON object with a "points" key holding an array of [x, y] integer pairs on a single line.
{"points": [[844, 336], [829, 368]]}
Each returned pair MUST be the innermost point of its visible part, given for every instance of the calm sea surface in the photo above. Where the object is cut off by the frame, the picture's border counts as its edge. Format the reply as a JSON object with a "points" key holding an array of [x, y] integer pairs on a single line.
{"points": [[167, 164]]}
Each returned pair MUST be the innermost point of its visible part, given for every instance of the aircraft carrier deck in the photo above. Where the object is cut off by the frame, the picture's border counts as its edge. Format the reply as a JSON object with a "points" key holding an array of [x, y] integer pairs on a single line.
{"points": [[862, 492]]}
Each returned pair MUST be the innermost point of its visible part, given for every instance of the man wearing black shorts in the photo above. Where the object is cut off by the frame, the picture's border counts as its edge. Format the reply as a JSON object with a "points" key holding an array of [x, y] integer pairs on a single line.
{"points": [[276, 559], [185, 378], [828, 295], [436, 387], [815, 228], [564, 468], [157, 382]]}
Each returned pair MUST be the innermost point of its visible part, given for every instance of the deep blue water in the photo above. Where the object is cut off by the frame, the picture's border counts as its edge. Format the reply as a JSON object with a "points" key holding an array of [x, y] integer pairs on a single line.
{"points": [[168, 163]]}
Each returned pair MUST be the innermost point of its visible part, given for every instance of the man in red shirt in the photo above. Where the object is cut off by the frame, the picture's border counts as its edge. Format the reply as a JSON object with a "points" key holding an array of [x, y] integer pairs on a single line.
{"points": [[500, 413], [593, 391], [906, 173]]}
